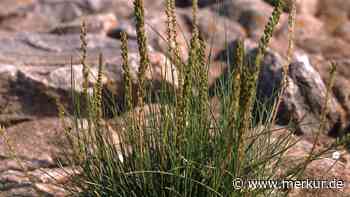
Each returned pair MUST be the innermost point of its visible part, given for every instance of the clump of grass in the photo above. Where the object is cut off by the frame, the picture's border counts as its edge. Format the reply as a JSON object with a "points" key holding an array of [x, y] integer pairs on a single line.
{"points": [[181, 149]]}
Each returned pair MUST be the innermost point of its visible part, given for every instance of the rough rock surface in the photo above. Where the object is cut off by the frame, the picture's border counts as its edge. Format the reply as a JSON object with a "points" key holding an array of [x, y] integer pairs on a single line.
{"points": [[326, 168], [305, 95], [37, 146]]}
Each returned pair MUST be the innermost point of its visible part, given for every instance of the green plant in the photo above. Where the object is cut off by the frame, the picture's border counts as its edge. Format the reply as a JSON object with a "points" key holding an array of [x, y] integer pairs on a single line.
{"points": [[180, 149]]}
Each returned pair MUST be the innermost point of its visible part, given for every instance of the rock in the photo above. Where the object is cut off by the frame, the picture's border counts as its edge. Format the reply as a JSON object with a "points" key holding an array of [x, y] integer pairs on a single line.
{"points": [[333, 7], [51, 190], [43, 15], [201, 3], [13, 7], [96, 24], [156, 31], [34, 49], [42, 182], [329, 47], [306, 26], [8, 101], [342, 92], [59, 78], [46, 74], [251, 14], [64, 11], [19, 15], [32, 57], [307, 7], [216, 30], [333, 13], [124, 26], [324, 168], [40, 141], [343, 31], [304, 97], [341, 86], [124, 8], [38, 147]]}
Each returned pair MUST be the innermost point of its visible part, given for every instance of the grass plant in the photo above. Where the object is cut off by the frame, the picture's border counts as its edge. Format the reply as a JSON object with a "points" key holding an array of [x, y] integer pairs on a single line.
{"points": [[179, 148]]}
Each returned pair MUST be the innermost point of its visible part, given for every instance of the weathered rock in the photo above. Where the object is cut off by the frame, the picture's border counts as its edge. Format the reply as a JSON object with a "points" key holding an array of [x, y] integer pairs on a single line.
{"points": [[251, 14], [156, 32], [333, 7], [96, 24], [43, 15], [306, 26], [46, 74], [39, 141], [307, 7], [216, 30], [19, 15], [8, 102], [125, 8], [329, 47], [304, 97], [13, 7], [38, 146], [34, 49], [39, 182], [341, 86], [32, 59], [333, 13], [62, 11], [325, 168], [343, 31]]}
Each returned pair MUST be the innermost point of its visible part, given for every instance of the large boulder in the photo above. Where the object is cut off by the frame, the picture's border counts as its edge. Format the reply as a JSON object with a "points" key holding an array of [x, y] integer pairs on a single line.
{"points": [[43, 72], [304, 97], [303, 101], [341, 88], [38, 147]]}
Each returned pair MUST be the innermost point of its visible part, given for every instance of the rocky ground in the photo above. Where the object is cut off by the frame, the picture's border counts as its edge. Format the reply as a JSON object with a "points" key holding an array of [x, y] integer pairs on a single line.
{"points": [[39, 39]]}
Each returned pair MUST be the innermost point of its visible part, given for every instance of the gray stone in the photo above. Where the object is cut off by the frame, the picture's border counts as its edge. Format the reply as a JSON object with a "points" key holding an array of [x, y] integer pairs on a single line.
{"points": [[304, 98]]}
